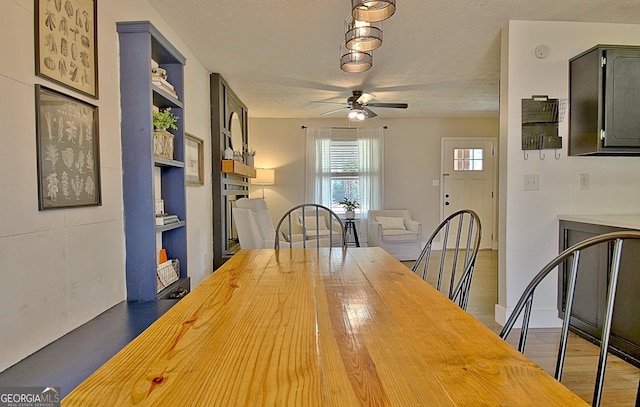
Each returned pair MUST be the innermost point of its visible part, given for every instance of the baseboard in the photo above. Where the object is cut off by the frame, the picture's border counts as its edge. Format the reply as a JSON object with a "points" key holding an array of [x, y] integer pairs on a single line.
{"points": [[540, 318]]}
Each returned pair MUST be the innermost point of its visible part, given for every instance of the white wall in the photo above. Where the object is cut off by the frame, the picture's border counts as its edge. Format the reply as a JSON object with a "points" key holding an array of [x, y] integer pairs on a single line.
{"points": [[60, 268], [412, 159], [528, 219]]}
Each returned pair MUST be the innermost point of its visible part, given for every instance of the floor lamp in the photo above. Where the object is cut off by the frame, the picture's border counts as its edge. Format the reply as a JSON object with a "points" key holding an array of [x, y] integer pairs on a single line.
{"points": [[264, 176]]}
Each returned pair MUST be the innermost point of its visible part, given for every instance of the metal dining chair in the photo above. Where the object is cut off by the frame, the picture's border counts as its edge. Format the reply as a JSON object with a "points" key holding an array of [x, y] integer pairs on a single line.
{"points": [[310, 225], [459, 233], [570, 260]]}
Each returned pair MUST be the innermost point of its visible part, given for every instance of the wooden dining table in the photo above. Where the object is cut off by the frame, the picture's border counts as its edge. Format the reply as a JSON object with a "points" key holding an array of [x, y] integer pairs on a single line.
{"points": [[318, 327]]}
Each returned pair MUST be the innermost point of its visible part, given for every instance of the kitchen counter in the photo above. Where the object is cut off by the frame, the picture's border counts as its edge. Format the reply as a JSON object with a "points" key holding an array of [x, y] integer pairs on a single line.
{"points": [[630, 221]]}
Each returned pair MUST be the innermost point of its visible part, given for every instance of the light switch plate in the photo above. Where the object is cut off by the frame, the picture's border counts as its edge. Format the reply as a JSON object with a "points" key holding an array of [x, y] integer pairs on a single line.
{"points": [[584, 182], [531, 182]]}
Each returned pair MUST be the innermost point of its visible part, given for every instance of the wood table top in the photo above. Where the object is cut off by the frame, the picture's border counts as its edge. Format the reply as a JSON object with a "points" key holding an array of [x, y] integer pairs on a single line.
{"points": [[318, 327]]}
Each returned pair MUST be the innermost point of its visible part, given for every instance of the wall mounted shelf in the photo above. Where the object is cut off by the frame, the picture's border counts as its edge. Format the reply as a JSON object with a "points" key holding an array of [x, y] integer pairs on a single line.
{"points": [[238, 168]]}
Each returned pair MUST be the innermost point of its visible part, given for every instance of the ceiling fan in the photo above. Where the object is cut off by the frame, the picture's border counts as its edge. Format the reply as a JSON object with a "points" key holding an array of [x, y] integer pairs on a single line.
{"points": [[358, 105]]}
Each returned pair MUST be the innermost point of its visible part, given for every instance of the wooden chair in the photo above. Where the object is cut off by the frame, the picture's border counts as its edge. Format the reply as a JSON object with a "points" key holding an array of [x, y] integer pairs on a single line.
{"points": [[451, 233], [309, 225], [570, 258]]}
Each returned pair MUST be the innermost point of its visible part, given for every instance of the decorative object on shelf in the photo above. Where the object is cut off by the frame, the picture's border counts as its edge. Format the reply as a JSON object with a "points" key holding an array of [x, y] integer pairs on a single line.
{"points": [[162, 139], [372, 10], [66, 44], [264, 176], [350, 206], [164, 120], [228, 153], [249, 157], [68, 151], [163, 144], [160, 79], [167, 273], [159, 207], [193, 160]]}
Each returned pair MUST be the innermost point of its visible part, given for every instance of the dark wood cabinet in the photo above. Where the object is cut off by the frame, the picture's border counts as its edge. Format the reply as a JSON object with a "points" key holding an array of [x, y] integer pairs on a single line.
{"points": [[591, 290], [604, 94]]}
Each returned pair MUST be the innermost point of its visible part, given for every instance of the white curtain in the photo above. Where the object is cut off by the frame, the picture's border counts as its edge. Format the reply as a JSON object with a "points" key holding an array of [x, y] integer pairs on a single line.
{"points": [[371, 169], [318, 166], [371, 153]]}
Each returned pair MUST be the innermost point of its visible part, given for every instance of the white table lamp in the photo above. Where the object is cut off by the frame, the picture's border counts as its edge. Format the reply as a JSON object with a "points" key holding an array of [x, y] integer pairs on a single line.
{"points": [[264, 176]]}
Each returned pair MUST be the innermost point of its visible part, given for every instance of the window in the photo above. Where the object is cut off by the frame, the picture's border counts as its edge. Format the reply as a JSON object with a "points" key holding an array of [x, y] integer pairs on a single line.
{"points": [[345, 174], [344, 162], [467, 159]]}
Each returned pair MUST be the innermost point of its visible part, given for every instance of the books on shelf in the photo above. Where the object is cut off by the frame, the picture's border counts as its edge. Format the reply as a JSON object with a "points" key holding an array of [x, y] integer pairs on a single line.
{"points": [[164, 85], [161, 82], [166, 219]]}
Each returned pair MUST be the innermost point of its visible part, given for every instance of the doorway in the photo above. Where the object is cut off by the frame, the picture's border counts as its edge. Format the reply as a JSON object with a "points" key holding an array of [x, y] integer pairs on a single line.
{"points": [[468, 181]]}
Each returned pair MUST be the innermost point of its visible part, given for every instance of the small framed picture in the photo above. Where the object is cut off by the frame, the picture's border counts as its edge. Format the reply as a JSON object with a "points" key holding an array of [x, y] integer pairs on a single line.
{"points": [[193, 160], [68, 151], [66, 43]]}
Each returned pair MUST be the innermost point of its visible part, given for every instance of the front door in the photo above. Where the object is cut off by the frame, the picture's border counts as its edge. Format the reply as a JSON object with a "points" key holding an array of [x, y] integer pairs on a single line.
{"points": [[468, 181]]}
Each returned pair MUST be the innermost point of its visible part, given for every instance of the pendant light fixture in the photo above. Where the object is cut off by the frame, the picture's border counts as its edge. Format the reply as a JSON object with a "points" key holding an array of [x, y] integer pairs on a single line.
{"points": [[362, 35], [355, 61], [372, 10]]}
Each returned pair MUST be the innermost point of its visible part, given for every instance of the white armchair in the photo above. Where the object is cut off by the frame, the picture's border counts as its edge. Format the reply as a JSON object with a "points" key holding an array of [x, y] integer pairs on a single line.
{"points": [[254, 224], [395, 231]]}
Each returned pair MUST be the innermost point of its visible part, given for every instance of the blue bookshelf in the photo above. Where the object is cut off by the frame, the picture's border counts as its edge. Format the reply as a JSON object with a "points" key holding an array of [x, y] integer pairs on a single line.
{"points": [[140, 43]]}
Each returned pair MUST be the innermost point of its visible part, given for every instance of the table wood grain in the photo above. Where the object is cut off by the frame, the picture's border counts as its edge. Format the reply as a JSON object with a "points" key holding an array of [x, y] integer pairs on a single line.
{"points": [[318, 327]]}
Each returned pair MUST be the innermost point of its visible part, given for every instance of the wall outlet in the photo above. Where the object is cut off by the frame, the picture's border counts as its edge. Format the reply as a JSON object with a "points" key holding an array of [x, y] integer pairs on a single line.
{"points": [[584, 182], [531, 182]]}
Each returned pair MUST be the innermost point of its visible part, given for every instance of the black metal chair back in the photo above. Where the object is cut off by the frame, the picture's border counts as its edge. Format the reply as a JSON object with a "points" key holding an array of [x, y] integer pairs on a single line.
{"points": [[570, 259], [311, 225], [459, 233]]}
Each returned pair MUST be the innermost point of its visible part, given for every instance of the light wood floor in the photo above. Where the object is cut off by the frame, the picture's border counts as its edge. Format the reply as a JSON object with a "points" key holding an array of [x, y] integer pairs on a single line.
{"points": [[621, 380]]}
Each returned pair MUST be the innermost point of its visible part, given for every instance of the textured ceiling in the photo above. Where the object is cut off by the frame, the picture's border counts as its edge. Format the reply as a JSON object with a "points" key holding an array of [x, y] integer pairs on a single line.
{"points": [[442, 57]]}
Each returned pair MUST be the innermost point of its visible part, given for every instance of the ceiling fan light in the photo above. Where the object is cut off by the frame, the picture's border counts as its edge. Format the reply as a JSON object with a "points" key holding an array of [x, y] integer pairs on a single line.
{"points": [[357, 115], [372, 10], [362, 35]]}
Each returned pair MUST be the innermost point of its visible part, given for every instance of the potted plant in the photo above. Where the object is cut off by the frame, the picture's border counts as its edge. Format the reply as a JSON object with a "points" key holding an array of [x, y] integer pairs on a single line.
{"points": [[350, 206], [162, 139], [164, 119]]}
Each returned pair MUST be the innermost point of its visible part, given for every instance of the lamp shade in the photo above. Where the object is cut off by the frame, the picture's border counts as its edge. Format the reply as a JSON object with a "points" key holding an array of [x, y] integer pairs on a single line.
{"points": [[355, 61], [362, 35], [372, 10], [264, 176]]}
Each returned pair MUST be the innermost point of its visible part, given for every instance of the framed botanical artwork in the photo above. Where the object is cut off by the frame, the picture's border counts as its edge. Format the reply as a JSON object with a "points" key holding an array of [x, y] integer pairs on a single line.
{"points": [[66, 43], [193, 160], [68, 151]]}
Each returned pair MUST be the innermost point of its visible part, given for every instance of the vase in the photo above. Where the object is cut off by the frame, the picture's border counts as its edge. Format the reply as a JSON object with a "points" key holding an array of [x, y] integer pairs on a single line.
{"points": [[350, 215], [250, 161], [163, 144]]}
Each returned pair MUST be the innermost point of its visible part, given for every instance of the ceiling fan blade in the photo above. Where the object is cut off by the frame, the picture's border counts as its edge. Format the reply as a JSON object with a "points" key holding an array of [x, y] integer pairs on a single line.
{"points": [[365, 98], [370, 113], [335, 110], [329, 103], [392, 105]]}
